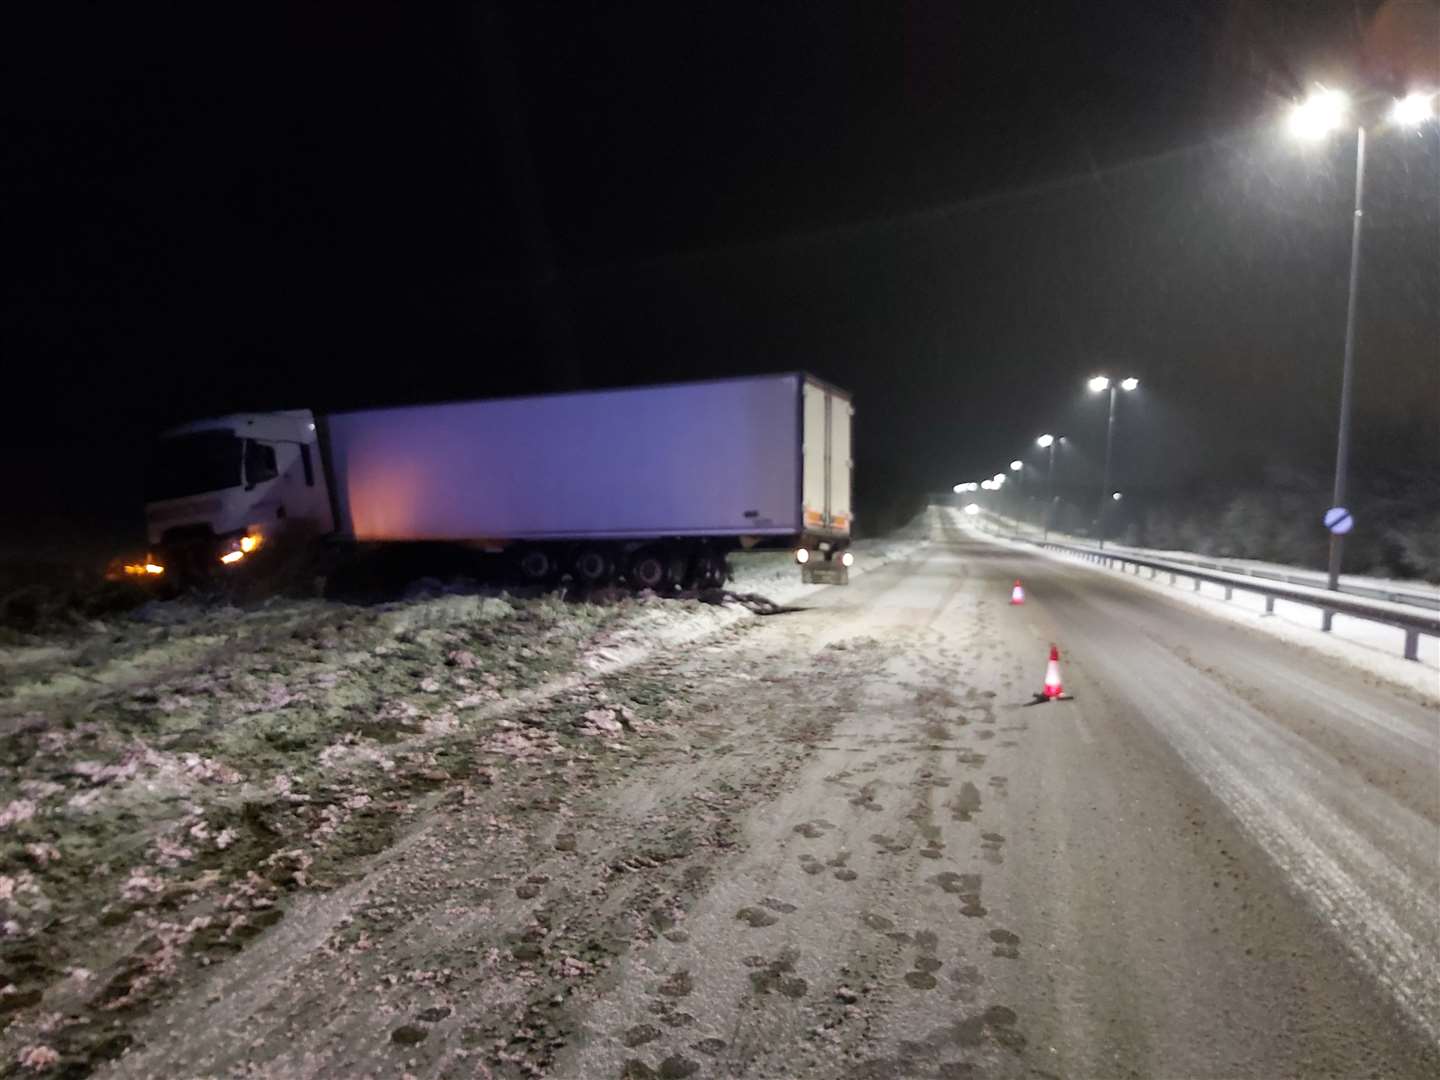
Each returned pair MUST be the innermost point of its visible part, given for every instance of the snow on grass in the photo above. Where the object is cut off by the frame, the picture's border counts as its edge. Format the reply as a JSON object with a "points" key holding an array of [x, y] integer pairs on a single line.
{"points": [[171, 777]]}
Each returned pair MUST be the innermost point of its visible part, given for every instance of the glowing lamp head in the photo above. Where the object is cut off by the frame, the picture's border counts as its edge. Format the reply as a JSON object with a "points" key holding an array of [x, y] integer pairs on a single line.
{"points": [[1413, 109], [1044, 441], [1017, 465], [972, 509], [1116, 496], [1098, 383], [1130, 384], [998, 479], [1319, 114]]}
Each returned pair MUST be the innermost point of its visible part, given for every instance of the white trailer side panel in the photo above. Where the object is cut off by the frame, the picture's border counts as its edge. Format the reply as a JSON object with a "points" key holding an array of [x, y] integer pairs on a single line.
{"points": [[825, 498], [697, 459]]}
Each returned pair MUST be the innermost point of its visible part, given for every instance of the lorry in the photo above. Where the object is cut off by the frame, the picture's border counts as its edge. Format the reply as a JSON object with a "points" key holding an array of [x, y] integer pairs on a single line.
{"points": [[653, 486]]}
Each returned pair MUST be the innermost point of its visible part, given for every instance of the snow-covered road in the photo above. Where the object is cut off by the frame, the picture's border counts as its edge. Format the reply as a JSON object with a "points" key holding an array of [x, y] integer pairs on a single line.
{"points": [[836, 843]]}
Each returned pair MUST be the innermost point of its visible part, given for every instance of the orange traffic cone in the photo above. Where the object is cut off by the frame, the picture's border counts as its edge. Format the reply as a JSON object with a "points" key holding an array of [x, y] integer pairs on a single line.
{"points": [[1053, 689], [1017, 594]]}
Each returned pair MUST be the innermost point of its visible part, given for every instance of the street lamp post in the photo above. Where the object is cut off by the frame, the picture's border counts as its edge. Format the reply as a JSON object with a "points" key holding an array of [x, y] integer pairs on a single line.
{"points": [[1048, 442], [1347, 371], [1321, 113], [1018, 468], [1098, 384]]}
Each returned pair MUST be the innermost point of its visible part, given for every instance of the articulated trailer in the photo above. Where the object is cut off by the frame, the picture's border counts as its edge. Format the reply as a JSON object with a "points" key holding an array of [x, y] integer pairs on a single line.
{"points": [[652, 485]]}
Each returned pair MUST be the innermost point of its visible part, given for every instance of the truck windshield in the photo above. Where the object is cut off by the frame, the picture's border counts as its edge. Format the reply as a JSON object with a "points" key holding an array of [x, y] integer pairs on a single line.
{"points": [[191, 464]]}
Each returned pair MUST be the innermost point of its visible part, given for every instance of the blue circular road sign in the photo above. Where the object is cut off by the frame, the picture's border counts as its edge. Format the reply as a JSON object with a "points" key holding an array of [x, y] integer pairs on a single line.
{"points": [[1339, 520]]}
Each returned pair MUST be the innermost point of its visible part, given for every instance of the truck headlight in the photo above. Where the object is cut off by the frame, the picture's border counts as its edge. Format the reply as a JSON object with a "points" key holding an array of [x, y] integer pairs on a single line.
{"points": [[802, 555], [847, 558], [241, 547]]}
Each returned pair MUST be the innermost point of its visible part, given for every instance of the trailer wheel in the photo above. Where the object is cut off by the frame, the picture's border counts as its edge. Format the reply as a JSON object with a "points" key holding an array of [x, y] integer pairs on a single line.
{"points": [[647, 570], [677, 569], [711, 571], [536, 566], [593, 566]]}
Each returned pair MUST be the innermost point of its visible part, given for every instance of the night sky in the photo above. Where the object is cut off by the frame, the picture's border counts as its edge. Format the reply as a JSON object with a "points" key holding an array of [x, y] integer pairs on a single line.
{"points": [[957, 213]]}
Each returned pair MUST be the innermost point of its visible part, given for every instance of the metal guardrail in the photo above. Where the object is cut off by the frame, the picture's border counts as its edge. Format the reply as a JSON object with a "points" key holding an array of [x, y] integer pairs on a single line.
{"points": [[1414, 597], [1329, 604], [1317, 581]]}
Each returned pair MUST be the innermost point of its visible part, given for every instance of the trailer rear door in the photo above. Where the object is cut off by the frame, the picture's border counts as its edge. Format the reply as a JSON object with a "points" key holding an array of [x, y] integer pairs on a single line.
{"points": [[825, 495]]}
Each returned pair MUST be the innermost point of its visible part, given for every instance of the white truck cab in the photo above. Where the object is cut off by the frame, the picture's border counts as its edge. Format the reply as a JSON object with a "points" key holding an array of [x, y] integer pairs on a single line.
{"points": [[217, 489]]}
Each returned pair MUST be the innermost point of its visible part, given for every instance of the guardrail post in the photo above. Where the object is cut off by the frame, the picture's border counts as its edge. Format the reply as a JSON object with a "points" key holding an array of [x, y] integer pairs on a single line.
{"points": [[1269, 605], [1326, 619], [1172, 577], [1197, 584], [1412, 644], [1229, 592]]}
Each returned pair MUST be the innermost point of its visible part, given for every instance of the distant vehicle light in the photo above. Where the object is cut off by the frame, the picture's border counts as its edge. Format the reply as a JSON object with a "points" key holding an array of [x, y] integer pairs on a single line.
{"points": [[847, 559], [972, 509], [250, 543], [802, 555], [232, 557], [154, 568]]}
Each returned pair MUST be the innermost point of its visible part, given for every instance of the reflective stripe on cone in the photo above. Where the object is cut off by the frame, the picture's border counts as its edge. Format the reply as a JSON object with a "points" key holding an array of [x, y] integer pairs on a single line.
{"points": [[1053, 689]]}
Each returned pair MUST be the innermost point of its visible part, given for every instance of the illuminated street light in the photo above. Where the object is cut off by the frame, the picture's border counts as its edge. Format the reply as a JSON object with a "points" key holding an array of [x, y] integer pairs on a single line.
{"points": [[1044, 440], [1318, 115], [1323, 112], [1098, 384], [972, 509], [1016, 466], [1413, 109], [1116, 496], [998, 479]]}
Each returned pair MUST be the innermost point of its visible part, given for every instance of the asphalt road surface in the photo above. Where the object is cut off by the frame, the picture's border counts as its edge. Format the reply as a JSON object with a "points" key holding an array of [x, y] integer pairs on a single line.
{"points": [[862, 855]]}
